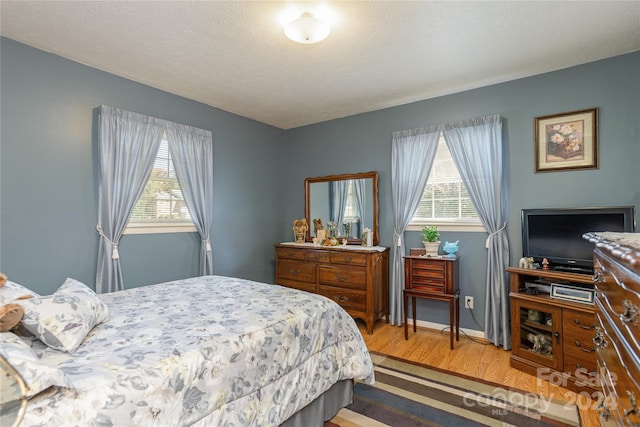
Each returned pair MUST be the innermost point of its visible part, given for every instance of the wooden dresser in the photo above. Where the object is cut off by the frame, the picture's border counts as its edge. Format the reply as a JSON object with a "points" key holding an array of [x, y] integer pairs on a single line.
{"points": [[617, 338], [357, 278]]}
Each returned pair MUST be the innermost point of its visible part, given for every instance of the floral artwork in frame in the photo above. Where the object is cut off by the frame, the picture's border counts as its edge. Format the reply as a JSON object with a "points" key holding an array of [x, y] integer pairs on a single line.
{"points": [[566, 141]]}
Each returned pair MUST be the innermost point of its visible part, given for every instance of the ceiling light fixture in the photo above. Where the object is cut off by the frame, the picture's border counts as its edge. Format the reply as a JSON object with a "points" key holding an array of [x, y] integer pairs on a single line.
{"points": [[307, 29]]}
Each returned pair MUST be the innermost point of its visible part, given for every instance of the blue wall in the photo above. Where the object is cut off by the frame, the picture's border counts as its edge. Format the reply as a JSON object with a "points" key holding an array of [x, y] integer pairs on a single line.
{"points": [[48, 184], [363, 142], [48, 160]]}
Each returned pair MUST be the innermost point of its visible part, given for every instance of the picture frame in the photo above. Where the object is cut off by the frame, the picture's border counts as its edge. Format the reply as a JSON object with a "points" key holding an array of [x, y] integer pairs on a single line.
{"points": [[566, 141]]}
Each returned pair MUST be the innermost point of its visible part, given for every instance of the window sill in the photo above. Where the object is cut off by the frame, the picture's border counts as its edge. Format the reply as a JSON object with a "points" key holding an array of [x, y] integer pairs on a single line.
{"points": [[468, 227], [159, 228]]}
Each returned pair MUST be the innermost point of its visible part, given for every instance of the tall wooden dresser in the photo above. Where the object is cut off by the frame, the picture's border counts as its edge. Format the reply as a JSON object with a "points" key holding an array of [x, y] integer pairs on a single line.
{"points": [[356, 277], [617, 339]]}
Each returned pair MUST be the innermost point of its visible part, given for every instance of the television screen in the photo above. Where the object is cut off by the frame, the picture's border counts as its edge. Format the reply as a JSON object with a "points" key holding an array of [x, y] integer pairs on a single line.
{"points": [[556, 234]]}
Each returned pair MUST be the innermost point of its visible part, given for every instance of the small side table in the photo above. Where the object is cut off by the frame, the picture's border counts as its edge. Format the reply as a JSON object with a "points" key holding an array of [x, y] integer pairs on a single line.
{"points": [[434, 278]]}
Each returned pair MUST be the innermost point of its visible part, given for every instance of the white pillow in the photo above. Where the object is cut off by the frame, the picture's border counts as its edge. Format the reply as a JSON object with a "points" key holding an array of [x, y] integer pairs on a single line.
{"points": [[64, 319], [36, 375], [11, 290]]}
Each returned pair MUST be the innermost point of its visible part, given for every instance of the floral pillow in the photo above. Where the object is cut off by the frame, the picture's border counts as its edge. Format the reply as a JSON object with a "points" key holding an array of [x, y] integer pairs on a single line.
{"points": [[64, 319], [37, 376], [12, 291]]}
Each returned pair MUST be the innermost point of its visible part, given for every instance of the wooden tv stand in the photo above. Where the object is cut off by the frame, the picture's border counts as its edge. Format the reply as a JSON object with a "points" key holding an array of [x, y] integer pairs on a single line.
{"points": [[553, 338]]}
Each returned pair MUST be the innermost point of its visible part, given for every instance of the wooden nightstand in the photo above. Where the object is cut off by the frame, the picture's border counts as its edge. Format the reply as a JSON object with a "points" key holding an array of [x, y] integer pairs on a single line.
{"points": [[434, 279]]}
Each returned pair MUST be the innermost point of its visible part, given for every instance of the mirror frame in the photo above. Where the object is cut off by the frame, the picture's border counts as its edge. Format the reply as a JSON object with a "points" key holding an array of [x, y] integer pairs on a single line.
{"points": [[363, 175]]}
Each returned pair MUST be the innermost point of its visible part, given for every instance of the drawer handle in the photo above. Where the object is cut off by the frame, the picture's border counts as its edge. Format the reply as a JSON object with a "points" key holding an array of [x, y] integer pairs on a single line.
{"points": [[586, 350], [632, 402], [597, 275], [592, 374], [603, 411], [340, 298], [295, 271], [599, 339], [630, 314], [340, 278], [583, 326]]}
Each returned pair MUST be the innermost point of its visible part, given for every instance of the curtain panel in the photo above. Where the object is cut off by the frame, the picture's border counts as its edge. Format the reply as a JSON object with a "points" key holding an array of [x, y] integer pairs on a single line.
{"points": [[412, 155], [477, 150], [359, 190], [192, 153], [338, 193], [127, 147]]}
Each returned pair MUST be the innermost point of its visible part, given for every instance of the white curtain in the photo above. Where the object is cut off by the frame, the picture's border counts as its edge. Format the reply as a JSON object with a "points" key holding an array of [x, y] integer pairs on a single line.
{"points": [[127, 146], [192, 153], [476, 148], [412, 154]]}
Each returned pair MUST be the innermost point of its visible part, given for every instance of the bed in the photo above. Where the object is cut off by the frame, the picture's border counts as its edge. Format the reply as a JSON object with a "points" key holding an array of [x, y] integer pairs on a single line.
{"points": [[205, 351]]}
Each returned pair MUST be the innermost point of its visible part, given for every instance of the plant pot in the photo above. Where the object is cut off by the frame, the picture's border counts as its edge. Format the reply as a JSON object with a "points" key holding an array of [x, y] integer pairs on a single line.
{"points": [[431, 248]]}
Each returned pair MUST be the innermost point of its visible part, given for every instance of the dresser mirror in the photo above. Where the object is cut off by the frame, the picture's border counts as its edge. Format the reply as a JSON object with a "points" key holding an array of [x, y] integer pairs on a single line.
{"points": [[347, 204]]}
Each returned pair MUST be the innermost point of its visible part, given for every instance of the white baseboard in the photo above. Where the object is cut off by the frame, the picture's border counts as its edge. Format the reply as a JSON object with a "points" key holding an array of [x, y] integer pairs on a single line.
{"points": [[439, 326]]}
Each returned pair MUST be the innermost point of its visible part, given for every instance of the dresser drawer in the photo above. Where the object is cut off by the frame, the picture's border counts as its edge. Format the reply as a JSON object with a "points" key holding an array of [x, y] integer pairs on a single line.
{"points": [[618, 300], [296, 270], [347, 257], [426, 280], [429, 269], [317, 256], [343, 277], [349, 299], [619, 373], [290, 253], [301, 286]]}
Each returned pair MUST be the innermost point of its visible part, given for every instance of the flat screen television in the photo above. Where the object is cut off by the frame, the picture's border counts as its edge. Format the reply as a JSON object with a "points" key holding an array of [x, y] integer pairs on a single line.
{"points": [[556, 234]]}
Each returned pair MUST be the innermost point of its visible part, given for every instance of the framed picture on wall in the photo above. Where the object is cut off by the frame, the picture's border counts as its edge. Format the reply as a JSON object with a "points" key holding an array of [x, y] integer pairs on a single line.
{"points": [[566, 141]]}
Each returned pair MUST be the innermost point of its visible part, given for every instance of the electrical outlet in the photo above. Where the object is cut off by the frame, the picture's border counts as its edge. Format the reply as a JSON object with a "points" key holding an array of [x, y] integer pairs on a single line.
{"points": [[468, 302]]}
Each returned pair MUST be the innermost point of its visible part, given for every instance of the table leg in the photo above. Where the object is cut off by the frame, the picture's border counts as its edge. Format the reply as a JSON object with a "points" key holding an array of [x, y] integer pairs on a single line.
{"points": [[458, 318], [413, 309], [404, 302], [451, 317]]}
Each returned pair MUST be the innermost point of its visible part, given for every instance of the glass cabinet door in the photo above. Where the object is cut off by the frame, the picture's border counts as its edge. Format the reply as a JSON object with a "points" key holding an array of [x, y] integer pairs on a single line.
{"points": [[537, 329]]}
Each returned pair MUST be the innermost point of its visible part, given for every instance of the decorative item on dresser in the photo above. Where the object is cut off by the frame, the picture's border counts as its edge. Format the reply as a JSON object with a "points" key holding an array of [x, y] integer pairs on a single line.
{"points": [[434, 278], [300, 228], [356, 277], [552, 338], [617, 337]]}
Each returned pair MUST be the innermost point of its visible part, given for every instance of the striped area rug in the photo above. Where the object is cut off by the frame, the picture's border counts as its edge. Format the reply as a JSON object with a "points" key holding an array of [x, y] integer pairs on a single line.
{"points": [[408, 395]]}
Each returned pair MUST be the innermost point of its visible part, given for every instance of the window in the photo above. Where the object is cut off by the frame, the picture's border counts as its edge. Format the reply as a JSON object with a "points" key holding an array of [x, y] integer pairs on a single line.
{"points": [[445, 201], [351, 214], [161, 208], [350, 206]]}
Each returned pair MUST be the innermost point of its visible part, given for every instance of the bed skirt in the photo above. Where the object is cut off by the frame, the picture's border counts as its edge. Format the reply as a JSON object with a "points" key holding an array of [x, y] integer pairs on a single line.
{"points": [[325, 407]]}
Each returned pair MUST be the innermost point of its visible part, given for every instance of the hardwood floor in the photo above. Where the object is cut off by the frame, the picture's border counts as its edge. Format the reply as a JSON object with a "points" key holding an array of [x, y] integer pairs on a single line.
{"points": [[473, 358]]}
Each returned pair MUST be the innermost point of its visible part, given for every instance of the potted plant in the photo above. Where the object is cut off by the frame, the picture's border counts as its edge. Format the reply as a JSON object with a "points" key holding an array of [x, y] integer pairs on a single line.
{"points": [[430, 239]]}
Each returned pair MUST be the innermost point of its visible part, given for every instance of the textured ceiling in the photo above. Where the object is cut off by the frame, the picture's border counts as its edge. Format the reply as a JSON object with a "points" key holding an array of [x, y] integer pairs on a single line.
{"points": [[233, 54]]}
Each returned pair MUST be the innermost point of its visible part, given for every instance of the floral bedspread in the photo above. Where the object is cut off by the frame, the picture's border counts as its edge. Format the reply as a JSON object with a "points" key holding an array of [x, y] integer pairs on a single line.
{"points": [[210, 351]]}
